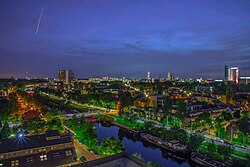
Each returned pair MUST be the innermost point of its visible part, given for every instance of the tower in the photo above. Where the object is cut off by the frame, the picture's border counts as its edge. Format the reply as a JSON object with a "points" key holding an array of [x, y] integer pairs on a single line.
{"points": [[148, 75], [226, 73]]}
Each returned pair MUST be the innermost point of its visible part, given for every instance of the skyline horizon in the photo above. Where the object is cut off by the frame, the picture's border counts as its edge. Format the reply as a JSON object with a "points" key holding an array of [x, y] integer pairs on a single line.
{"points": [[152, 74], [124, 38]]}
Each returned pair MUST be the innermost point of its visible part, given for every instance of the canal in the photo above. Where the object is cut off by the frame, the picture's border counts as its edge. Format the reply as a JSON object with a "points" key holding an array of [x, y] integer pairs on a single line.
{"points": [[133, 144]]}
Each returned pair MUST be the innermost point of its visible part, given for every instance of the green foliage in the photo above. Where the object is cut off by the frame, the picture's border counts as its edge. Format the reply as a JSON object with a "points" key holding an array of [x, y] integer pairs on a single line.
{"points": [[244, 125], [84, 131], [125, 100], [195, 141], [55, 124], [139, 156], [152, 164], [230, 94], [211, 147], [34, 125], [6, 131], [176, 133], [181, 111], [220, 131], [111, 146], [8, 107], [225, 150]]}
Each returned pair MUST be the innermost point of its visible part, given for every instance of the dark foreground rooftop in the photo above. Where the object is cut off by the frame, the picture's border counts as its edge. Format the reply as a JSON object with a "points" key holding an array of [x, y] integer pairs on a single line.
{"points": [[52, 158], [28, 142], [119, 160]]}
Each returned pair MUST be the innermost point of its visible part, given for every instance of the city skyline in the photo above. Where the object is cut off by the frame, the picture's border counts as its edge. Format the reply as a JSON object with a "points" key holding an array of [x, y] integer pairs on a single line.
{"points": [[190, 39]]}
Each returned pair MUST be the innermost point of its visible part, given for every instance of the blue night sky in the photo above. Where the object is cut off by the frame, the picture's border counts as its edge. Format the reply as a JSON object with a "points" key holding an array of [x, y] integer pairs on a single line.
{"points": [[124, 38]]}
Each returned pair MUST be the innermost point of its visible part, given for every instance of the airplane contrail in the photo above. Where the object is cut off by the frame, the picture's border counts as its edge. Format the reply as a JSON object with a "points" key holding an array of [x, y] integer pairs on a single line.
{"points": [[39, 20]]}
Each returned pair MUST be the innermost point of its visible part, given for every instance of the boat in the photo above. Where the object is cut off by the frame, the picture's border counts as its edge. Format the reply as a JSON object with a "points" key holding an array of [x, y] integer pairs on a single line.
{"points": [[203, 160], [173, 146]]}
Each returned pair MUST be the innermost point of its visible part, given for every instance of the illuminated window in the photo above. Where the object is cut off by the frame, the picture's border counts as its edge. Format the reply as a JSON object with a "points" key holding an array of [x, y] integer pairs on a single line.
{"points": [[15, 163], [42, 149], [43, 157], [68, 153]]}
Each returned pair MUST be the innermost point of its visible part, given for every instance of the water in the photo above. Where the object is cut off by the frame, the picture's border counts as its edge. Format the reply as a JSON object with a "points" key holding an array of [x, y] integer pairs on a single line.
{"points": [[133, 144]]}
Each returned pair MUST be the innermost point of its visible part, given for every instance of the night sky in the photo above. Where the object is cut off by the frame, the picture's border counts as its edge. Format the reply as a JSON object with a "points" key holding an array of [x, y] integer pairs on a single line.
{"points": [[124, 38]]}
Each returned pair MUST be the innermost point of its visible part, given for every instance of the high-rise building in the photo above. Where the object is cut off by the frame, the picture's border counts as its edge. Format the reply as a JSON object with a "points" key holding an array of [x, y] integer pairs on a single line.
{"points": [[66, 76], [148, 75], [169, 76], [232, 74], [226, 73]]}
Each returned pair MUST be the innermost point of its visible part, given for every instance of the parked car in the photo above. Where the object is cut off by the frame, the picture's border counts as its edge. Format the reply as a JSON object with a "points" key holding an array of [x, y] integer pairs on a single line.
{"points": [[94, 153], [218, 140], [239, 146], [83, 159], [228, 142]]}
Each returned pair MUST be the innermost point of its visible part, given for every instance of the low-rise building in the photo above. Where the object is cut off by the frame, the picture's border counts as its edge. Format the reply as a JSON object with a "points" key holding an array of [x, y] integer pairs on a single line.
{"points": [[49, 149], [156, 100]]}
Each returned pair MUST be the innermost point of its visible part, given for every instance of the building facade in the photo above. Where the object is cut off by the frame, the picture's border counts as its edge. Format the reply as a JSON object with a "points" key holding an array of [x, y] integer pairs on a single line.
{"points": [[49, 149], [66, 76], [232, 74]]}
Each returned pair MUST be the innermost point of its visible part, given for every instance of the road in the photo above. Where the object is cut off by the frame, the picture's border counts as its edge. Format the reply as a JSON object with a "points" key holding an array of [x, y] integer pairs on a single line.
{"points": [[241, 149], [82, 151], [207, 138]]}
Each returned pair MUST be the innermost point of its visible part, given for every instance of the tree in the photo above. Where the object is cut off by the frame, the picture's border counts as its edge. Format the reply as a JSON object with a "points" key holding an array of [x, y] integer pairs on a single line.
{"points": [[211, 147], [227, 116], [55, 124], [111, 146], [6, 131], [230, 94], [220, 131], [195, 141], [181, 111], [225, 150], [34, 125], [84, 131], [244, 125], [244, 128], [167, 107]]}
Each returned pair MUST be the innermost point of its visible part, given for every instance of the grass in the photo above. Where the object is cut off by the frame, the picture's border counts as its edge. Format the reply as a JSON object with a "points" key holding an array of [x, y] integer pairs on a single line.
{"points": [[235, 152], [78, 107], [126, 122], [240, 154]]}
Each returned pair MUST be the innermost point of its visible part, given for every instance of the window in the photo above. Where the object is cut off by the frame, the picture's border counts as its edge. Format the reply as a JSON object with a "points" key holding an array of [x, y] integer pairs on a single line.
{"points": [[13, 154], [42, 149], [43, 157], [29, 160], [68, 153], [15, 163], [56, 154]]}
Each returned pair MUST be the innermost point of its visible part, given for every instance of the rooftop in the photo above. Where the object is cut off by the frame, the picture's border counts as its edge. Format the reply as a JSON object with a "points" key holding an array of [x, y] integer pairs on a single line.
{"points": [[28, 142], [119, 160]]}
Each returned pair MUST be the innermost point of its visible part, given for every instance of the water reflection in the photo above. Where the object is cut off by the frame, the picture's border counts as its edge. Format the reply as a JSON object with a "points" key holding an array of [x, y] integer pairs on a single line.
{"points": [[133, 144]]}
